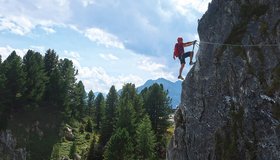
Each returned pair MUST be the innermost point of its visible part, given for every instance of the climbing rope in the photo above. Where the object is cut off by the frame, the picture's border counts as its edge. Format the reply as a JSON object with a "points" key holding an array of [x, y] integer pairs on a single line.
{"points": [[239, 45]]}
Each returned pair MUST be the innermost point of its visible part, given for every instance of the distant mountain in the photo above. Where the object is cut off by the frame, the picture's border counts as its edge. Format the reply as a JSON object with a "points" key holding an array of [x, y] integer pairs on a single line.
{"points": [[174, 89]]}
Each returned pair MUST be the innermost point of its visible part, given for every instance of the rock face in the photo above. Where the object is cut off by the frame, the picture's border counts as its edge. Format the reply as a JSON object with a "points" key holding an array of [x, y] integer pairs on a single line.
{"points": [[8, 148], [230, 102]]}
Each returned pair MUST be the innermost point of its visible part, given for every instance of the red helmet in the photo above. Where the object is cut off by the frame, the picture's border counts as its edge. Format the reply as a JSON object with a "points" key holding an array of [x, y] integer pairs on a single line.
{"points": [[179, 39]]}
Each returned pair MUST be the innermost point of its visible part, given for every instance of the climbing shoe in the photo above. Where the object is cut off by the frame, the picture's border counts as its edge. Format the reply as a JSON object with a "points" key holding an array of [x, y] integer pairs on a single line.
{"points": [[180, 77], [191, 63]]}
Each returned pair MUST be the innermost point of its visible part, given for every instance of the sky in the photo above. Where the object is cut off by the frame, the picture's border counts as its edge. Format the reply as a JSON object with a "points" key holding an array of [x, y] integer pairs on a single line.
{"points": [[111, 42]]}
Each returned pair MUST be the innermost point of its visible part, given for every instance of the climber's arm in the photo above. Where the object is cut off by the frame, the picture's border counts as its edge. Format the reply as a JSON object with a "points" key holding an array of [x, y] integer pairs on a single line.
{"points": [[187, 44]]}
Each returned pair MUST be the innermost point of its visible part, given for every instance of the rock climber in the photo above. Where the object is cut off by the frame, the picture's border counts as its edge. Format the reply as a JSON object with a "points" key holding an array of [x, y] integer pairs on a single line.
{"points": [[180, 53]]}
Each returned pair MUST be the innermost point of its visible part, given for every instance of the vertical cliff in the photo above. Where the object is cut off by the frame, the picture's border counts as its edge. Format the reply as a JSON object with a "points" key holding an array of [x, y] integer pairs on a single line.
{"points": [[8, 147], [230, 102]]}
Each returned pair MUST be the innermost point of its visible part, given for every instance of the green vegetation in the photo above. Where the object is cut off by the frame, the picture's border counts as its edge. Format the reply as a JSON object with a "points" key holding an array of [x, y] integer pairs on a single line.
{"points": [[109, 118], [145, 140], [53, 117]]}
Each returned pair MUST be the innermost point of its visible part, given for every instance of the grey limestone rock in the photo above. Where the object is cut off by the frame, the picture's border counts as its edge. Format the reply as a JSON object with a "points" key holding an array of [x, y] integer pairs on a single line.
{"points": [[230, 100]]}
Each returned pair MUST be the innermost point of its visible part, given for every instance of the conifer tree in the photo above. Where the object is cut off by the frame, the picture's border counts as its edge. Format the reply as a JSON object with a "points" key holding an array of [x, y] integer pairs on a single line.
{"points": [[99, 105], [4, 109], [79, 103], [157, 105], [145, 140], [129, 93], [2, 82], [119, 147], [53, 87], [89, 126], [109, 118], [33, 66], [67, 85], [50, 62], [90, 103], [91, 152], [126, 117], [73, 150], [15, 79]]}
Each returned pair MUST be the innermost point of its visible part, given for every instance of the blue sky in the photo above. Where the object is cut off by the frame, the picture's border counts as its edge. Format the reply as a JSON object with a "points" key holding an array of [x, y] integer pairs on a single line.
{"points": [[111, 42]]}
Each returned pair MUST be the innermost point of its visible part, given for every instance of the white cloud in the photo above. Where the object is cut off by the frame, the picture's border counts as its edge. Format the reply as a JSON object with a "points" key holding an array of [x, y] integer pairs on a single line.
{"points": [[6, 51], [148, 65], [97, 79], [87, 2], [186, 6], [157, 70], [164, 12], [191, 9], [48, 29], [109, 57], [40, 49], [16, 24], [63, 3], [101, 37], [75, 28], [21, 17], [72, 54], [146, 23]]}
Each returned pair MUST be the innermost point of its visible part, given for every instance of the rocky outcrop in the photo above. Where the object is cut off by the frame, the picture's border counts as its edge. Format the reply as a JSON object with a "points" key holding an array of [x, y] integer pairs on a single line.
{"points": [[8, 147], [230, 102], [69, 134]]}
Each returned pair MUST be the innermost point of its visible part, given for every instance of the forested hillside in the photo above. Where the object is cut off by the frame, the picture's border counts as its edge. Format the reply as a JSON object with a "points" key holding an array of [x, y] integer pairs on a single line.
{"points": [[48, 114]]}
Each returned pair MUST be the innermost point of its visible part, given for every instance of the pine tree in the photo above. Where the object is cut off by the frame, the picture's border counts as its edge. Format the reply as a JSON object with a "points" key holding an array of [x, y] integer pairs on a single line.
{"points": [[91, 152], [89, 126], [15, 79], [99, 105], [4, 109], [67, 85], [79, 100], [119, 147], [126, 114], [50, 61], [2, 82], [129, 93], [145, 140], [157, 105], [95, 151], [73, 150], [109, 119], [53, 87], [35, 76], [126, 117], [90, 103]]}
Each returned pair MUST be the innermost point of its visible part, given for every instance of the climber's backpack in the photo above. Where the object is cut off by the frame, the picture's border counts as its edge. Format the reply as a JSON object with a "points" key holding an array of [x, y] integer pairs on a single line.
{"points": [[176, 50]]}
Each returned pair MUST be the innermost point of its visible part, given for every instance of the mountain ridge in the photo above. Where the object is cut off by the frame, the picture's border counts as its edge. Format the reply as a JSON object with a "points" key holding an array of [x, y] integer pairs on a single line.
{"points": [[174, 89]]}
